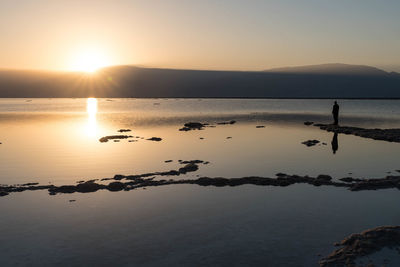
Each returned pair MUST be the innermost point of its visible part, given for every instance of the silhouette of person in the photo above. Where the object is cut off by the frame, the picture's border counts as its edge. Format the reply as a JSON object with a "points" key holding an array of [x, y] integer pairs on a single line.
{"points": [[335, 112], [334, 143]]}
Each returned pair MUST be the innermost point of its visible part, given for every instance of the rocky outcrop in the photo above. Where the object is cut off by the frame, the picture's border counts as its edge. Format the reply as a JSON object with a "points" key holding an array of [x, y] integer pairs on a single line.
{"points": [[147, 179], [310, 142], [193, 126], [189, 126], [375, 183], [114, 137], [362, 244], [390, 135], [190, 167], [124, 130], [324, 177], [157, 139], [86, 187], [116, 186], [195, 161], [226, 122]]}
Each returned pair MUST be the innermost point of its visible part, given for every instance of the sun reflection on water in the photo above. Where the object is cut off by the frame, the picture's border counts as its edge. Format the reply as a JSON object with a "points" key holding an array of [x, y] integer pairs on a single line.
{"points": [[91, 109]]}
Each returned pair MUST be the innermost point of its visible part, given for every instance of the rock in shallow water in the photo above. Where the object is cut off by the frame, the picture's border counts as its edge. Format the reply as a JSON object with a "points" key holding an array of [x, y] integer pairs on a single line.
{"points": [[157, 139], [390, 135], [124, 130], [226, 122], [362, 244], [88, 187], [113, 137], [310, 142], [192, 126], [324, 177], [115, 186], [190, 167], [119, 177]]}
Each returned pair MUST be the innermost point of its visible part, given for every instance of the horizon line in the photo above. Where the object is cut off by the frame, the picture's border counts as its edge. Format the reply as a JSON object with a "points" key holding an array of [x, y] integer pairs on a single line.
{"points": [[191, 69]]}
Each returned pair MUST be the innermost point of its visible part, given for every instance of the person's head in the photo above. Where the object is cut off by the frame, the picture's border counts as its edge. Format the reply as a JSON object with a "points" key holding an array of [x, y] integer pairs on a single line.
{"points": [[335, 102]]}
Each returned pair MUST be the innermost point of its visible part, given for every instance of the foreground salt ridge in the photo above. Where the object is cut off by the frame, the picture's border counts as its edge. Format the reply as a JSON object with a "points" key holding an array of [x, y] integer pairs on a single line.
{"points": [[362, 244], [141, 180]]}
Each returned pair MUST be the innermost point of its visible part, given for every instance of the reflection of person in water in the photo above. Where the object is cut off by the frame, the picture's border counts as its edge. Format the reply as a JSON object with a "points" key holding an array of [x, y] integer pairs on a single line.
{"points": [[334, 143], [335, 113]]}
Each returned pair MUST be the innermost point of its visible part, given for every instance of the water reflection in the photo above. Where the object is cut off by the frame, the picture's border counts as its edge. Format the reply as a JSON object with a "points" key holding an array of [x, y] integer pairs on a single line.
{"points": [[334, 143], [91, 109]]}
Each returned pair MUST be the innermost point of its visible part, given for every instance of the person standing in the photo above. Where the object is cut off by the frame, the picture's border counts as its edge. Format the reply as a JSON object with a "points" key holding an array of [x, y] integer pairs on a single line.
{"points": [[335, 112]]}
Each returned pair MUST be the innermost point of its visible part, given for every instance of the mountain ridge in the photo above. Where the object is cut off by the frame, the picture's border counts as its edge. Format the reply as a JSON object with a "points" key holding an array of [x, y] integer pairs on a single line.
{"points": [[331, 68], [134, 81]]}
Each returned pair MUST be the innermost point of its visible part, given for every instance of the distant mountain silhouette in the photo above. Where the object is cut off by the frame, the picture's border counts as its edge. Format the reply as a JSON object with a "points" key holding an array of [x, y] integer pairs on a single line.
{"points": [[318, 81], [331, 68]]}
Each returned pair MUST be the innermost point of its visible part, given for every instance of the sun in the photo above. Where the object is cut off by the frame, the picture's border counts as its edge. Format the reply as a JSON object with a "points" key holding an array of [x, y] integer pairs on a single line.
{"points": [[89, 60]]}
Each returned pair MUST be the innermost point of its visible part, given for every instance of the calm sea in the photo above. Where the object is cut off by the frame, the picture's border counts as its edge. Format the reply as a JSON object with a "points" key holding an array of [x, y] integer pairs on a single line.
{"points": [[57, 141]]}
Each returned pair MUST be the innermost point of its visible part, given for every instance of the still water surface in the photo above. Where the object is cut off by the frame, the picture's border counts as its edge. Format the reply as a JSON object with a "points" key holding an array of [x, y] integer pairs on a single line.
{"points": [[56, 141]]}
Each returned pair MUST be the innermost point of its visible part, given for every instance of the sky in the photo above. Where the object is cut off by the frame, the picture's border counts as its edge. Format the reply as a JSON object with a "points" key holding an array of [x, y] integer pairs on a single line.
{"points": [[223, 34]]}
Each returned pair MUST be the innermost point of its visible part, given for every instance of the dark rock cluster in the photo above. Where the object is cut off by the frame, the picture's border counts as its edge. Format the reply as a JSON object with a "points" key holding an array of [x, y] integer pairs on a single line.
{"points": [[195, 161], [390, 135], [193, 126], [189, 126], [147, 179], [362, 244], [373, 184], [157, 139], [226, 122], [310, 142], [190, 167], [114, 137]]}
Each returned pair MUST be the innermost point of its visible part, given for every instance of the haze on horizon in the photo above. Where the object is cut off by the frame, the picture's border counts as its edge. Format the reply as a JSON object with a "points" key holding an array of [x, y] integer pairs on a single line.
{"points": [[229, 35]]}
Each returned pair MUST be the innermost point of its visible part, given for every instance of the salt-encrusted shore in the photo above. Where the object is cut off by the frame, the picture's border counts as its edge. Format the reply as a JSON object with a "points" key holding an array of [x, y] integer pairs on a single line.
{"points": [[130, 182], [390, 135]]}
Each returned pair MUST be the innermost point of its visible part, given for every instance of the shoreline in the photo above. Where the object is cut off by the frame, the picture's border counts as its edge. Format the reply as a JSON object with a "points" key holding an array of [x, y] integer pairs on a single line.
{"points": [[389, 135], [362, 244]]}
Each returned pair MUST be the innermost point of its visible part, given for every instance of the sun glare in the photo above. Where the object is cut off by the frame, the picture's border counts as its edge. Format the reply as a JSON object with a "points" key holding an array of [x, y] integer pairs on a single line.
{"points": [[91, 108], [89, 61]]}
